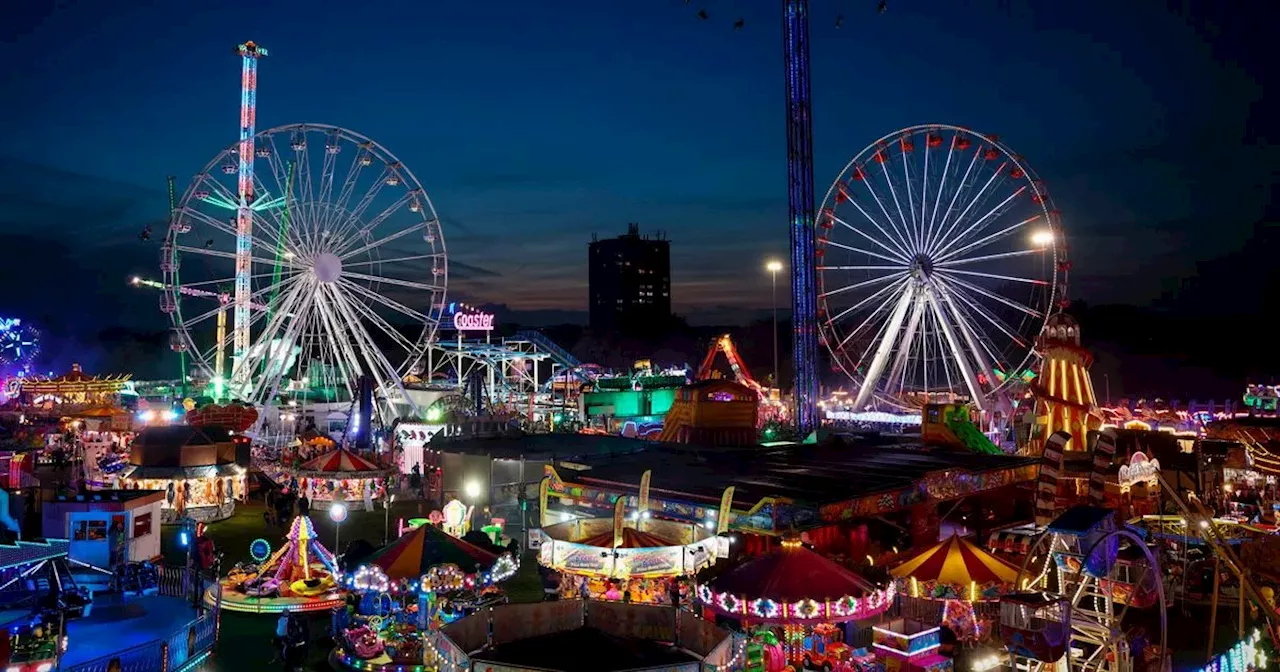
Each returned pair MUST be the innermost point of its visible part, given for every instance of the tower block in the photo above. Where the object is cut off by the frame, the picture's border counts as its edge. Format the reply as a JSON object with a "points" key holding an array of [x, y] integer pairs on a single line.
{"points": [[1063, 389]]}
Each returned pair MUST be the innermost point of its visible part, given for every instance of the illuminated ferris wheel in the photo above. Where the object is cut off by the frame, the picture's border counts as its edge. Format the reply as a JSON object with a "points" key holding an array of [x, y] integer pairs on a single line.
{"points": [[940, 257], [19, 346], [343, 259]]}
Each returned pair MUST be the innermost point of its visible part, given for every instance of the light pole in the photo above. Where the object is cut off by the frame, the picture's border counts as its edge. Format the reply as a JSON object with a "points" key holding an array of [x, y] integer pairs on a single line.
{"points": [[773, 266], [337, 513], [386, 518]]}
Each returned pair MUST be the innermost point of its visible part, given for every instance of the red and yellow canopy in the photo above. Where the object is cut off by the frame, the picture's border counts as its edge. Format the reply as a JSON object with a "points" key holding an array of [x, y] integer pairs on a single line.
{"points": [[954, 567]]}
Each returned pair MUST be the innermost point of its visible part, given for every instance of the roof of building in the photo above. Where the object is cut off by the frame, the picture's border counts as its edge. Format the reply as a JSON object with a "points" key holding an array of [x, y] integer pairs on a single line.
{"points": [[835, 471], [567, 652]]}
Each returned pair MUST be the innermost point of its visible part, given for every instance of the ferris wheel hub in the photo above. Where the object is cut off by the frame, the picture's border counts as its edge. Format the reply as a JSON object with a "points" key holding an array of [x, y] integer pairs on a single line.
{"points": [[327, 267], [922, 267]]}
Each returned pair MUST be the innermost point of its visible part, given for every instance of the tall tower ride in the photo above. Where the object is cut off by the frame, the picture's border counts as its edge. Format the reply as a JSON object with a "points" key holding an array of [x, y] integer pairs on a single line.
{"points": [[249, 54], [804, 288]]}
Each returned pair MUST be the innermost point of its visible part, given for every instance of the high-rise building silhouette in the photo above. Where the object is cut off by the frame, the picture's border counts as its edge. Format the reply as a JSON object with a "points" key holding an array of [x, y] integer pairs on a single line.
{"points": [[630, 282]]}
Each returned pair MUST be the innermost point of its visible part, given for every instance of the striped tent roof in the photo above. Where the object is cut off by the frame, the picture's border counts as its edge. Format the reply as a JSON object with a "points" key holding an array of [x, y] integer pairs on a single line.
{"points": [[957, 562], [339, 461], [413, 554]]}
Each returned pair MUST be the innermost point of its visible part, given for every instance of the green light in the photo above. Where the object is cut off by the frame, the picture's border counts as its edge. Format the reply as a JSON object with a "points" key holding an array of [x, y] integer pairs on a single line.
{"points": [[433, 415]]}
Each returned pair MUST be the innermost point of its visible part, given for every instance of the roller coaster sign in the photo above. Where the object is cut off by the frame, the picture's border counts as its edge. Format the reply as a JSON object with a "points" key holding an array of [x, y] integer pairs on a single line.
{"points": [[473, 321]]}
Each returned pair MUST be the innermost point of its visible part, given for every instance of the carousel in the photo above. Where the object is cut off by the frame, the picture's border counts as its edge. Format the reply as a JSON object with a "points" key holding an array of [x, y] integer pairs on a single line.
{"points": [[807, 601], [299, 576], [338, 475], [71, 389], [200, 469], [956, 584], [421, 581], [620, 560]]}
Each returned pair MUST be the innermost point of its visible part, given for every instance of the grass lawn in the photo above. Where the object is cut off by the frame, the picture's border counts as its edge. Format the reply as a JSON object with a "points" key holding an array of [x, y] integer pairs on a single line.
{"points": [[246, 639]]}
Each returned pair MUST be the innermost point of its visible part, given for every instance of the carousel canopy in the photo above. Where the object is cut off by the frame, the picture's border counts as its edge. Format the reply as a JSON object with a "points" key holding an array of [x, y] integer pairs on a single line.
{"points": [[631, 538], [790, 574], [75, 380], [413, 554], [956, 562], [181, 451], [338, 463]]}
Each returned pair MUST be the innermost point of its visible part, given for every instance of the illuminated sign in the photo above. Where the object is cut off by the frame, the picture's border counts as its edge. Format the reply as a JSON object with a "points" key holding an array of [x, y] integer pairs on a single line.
{"points": [[473, 321]]}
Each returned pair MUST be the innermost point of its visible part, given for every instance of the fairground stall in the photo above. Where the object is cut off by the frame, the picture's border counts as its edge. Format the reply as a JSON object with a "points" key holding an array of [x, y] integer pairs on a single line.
{"points": [[956, 584], [202, 470], [340, 475], [633, 560], [415, 584], [300, 575], [811, 600]]}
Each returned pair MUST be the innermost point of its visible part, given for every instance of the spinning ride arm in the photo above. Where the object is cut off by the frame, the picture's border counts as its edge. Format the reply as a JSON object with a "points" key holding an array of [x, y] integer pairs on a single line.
{"points": [[740, 373]]}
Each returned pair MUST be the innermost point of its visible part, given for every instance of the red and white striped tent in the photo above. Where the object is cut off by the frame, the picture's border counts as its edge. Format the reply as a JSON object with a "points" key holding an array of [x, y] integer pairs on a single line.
{"points": [[338, 464]]}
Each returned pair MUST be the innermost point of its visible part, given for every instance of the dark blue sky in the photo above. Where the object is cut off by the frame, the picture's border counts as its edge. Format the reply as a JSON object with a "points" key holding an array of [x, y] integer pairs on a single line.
{"points": [[534, 124]]}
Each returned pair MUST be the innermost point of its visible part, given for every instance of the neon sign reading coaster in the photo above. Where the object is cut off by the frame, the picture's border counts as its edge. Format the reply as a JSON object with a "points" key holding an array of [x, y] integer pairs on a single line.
{"points": [[473, 321]]}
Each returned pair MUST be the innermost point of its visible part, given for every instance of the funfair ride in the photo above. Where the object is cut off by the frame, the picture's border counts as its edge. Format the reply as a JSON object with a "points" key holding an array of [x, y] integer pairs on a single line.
{"points": [[940, 257], [351, 270]]}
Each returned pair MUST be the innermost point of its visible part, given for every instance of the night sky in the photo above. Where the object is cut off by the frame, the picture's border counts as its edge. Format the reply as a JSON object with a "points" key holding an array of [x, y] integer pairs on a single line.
{"points": [[534, 124]]}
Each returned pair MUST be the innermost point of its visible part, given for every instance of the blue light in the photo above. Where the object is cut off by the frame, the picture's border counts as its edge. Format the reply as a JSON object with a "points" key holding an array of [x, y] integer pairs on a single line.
{"points": [[183, 539]]}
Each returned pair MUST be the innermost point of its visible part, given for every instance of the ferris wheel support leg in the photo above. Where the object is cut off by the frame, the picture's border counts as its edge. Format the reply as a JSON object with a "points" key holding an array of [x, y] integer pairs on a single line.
{"points": [[908, 339], [966, 369], [970, 339], [884, 349]]}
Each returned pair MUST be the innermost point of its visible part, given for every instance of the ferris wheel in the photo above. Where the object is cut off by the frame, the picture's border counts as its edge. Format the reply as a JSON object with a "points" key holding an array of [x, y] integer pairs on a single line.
{"points": [[940, 257], [19, 345], [343, 269]]}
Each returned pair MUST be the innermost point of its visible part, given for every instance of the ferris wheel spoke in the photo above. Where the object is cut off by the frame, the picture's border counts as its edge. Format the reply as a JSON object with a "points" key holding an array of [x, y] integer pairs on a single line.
{"points": [[946, 237], [396, 260], [890, 299], [339, 344], [267, 387], [353, 219], [850, 248], [865, 283], [987, 315], [243, 368], [379, 367], [971, 339], [917, 227], [991, 295], [348, 187], [902, 239], [906, 226], [924, 198], [394, 281], [900, 253], [226, 341], [285, 182], [884, 349], [860, 268], [285, 238], [220, 254], [946, 259], [364, 231], [385, 326], [227, 306], [374, 296], [384, 240], [327, 170], [980, 221], [955, 195], [225, 228], [997, 276]]}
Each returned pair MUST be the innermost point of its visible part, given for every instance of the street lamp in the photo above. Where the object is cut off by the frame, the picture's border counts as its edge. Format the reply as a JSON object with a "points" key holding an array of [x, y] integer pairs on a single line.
{"points": [[386, 517], [773, 266], [337, 513], [472, 490]]}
